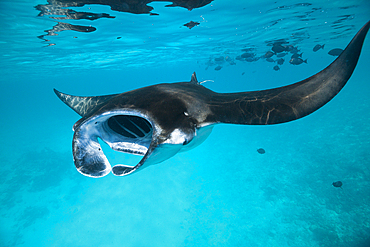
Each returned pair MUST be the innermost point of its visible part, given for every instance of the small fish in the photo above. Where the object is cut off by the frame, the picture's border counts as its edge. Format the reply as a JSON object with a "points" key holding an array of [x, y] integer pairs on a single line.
{"points": [[280, 61], [297, 61], [218, 67], [335, 52], [292, 49], [277, 48], [252, 59], [268, 54], [338, 184], [296, 55], [219, 59], [247, 54], [289, 47], [228, 59], [269, 59], [276, 68], [318, 47], [261, 151], [248, 49], [281, 54], [191, 24]]}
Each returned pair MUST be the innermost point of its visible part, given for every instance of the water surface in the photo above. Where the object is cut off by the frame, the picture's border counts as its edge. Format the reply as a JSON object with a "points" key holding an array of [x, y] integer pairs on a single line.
{"points": [[223, 193]]}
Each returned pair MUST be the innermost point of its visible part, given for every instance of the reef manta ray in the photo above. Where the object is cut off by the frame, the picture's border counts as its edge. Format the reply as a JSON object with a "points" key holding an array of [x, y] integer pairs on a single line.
{"points": [[160, 120]]}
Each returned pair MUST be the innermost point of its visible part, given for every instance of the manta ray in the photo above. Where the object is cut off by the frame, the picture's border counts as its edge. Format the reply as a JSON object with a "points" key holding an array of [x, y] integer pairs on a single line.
{"points": [[161, 120]]}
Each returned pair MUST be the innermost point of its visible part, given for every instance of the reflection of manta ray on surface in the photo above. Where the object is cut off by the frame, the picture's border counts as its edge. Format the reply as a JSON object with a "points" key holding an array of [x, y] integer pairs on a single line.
{"points": [[61, 10], [160, 120]]}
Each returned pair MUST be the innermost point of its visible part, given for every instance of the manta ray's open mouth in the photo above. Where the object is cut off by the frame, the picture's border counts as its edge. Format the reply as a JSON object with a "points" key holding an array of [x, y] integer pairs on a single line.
{"points": [[130, 126], [126, 133]]}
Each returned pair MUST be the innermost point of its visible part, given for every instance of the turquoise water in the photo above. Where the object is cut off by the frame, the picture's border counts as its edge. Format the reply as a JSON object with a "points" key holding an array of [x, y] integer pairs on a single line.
{"points": [[223, 193]]}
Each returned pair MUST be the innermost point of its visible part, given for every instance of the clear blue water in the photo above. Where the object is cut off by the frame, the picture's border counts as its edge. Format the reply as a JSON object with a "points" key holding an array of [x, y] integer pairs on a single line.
{"points": [[223, 193]]}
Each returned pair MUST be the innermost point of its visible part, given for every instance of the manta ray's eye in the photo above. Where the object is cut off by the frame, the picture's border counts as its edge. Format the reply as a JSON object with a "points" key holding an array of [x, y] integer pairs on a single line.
{"points": [[130, 126]]}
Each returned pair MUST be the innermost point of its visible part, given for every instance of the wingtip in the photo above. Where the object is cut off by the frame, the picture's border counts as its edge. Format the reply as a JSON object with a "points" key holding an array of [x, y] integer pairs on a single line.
{"points": [[59, 94]]}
